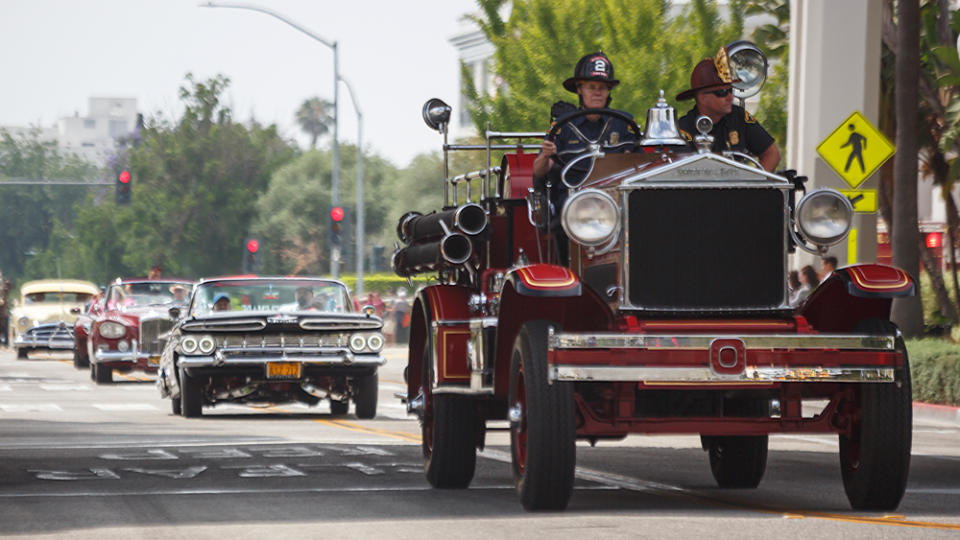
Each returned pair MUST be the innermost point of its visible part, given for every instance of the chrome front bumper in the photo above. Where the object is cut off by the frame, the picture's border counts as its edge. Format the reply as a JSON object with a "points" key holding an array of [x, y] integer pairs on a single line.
{"points": [[721, 359], [132, 356], [339, 359]]}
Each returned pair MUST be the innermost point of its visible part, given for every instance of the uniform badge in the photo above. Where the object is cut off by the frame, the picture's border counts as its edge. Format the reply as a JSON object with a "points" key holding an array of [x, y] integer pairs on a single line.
{"points": [[614, 137], [734, 138], [749, 119]]}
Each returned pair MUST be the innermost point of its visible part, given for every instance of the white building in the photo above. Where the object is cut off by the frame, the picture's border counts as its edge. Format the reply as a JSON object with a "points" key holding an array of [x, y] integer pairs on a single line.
{"points": [[92, 137]]}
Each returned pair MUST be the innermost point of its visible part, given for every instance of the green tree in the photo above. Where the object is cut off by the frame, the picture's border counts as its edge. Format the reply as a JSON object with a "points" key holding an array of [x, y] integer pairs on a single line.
{"points": [[196, 183], [774, 40], [293, 215], [30, 214], [540, 43], [315, 118]]}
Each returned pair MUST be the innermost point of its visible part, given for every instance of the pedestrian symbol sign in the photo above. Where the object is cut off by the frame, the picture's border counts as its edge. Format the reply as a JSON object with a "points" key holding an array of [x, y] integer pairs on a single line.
{"points": [[855, 150]]}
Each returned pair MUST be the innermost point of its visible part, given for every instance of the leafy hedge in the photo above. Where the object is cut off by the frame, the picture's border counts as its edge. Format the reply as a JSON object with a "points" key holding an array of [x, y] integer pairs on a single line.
{"points": [[387, 283], [935, 370]]}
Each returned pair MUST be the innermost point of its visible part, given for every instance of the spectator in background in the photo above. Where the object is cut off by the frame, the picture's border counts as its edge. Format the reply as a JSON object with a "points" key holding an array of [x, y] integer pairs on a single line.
{"points": [[808, 282], [401, 314], [828, 265], [4, 325], [221, 303], [793, 282], [155, 272]]}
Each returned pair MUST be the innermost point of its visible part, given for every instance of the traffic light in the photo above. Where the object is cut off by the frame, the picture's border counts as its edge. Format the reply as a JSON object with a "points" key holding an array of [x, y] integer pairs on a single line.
{"points": [[123, 184], [336, 226], [251, 256], [934, 240]]}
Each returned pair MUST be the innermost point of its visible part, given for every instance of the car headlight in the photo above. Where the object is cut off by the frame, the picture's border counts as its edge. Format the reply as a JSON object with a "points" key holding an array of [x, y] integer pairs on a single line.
{"points": [[366, 343], [824, 216], [112, 330], [188, 344], [206, 344], [375, 342], [23, 322], [591, 217], [357, 343]]}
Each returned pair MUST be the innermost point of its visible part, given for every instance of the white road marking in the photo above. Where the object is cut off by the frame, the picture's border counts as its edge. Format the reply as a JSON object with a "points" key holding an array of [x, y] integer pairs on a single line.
{"points": [[30, 407], [65, 387], [5, 388], [124, 407]]}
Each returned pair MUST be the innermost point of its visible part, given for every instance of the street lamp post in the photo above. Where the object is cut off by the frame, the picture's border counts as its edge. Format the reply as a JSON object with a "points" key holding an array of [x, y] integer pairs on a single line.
{"points": [[360, 204], [335, 179]]}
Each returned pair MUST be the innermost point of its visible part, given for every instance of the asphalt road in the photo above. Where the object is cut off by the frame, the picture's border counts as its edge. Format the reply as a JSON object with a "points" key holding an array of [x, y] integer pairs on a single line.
{"points": [[85, 461]]}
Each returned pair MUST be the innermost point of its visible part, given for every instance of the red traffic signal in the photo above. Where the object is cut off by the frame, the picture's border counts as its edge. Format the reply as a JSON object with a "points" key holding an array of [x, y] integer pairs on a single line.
{"points": [[124, 177], [336, 214], [253, 245], [934, 239]]}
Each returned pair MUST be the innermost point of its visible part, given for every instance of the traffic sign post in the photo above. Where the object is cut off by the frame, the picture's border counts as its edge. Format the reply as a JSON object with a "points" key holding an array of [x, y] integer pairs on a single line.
{"points": [[855, 149]]}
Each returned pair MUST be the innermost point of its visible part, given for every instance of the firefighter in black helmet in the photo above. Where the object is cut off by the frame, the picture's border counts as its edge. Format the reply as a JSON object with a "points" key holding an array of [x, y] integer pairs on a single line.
{"points": [[592, 81]]}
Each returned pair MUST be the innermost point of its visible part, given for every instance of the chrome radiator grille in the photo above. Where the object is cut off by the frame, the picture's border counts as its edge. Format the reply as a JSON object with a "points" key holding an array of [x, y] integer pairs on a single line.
{"points": [[286, 341], [150, 331], [706, 249], [48, 332]]}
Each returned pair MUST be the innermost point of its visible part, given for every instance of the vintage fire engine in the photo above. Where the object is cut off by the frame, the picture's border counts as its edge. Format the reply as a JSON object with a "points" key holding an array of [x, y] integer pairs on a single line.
{"points": [[670, 316]]}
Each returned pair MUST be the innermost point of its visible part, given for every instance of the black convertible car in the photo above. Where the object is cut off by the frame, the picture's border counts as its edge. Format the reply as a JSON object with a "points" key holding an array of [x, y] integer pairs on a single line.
{"points": [[273, 340]]}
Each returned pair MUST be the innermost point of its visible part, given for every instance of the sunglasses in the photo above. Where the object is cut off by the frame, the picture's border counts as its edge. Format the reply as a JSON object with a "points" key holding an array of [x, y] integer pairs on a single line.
{"points": [[722, 92]]}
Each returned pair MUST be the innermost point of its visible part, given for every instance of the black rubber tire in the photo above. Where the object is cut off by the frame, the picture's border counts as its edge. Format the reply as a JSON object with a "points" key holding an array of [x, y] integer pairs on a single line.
{"points": [[543, 441], [738, 461], [78, 362], [339, 408], [875, 460], [365, 398], [175, 406], [191, 396], [22, 354], [448, 434], [102, 374]]}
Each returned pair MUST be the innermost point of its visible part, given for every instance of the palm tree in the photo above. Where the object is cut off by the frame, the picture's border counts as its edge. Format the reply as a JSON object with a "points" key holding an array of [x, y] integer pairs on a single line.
{"points": [[907, 312], [314, 117]]}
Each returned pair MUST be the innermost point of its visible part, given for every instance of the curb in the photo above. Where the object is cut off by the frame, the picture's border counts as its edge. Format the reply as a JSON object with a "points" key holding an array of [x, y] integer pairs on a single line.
{"points": [[939, 413]]}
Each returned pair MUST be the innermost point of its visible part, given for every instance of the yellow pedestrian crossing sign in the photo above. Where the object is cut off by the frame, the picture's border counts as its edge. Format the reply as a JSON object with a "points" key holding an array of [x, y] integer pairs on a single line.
{"points": [[855, 150]]}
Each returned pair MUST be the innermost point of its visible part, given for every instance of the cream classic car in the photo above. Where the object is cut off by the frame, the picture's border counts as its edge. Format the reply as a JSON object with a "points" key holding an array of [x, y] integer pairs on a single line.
{"points": [[43, 315]]}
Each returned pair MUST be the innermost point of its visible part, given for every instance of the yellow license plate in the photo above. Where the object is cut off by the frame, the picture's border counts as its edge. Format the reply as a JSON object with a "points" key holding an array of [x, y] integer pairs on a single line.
{"points": [[283, 370], [153, 361]]}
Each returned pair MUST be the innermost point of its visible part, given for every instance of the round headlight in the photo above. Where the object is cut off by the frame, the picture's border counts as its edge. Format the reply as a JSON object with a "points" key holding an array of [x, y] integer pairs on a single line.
{"points": [[123, 346], [23, 321], [748, 64], [357, 342], [375, 342], [591, 217], [824, 216], [112, 330], [206, 344], [188, 344]]}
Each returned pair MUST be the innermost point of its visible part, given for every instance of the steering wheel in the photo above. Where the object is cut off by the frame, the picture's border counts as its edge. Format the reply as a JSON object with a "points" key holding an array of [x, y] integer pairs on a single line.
{"points": [[593, 146]]}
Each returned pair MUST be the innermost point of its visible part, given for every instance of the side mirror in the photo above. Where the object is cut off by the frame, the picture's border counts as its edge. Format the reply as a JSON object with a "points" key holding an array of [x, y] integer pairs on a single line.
{"points": [[174, 313]]}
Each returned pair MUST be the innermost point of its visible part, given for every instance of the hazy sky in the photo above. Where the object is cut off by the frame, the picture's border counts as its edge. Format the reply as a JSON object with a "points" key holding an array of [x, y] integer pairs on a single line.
{"points": [[395, 53]]}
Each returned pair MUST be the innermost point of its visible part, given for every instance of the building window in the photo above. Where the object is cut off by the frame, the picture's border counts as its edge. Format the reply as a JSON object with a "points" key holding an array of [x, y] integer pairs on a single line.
{"points": [[118, 128], [89, 123]]}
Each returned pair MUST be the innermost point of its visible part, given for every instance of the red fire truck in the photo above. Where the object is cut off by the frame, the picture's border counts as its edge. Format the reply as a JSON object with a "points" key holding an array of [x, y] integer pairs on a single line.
{"points": [[670, 315]]}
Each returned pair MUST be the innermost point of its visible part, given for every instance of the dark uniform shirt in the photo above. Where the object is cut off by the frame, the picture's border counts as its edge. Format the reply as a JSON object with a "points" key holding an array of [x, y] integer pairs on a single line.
{"points": [[737, 131]]}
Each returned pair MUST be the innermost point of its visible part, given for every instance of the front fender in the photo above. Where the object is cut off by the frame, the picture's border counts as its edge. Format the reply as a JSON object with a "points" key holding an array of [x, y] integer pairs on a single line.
{"points": [[544, 280], [440, 328], [855, 293]]}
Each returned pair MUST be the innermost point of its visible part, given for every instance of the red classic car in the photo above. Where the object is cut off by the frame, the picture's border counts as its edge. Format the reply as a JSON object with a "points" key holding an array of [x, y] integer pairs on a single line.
{"points": [[129, 329], [81, 330]]}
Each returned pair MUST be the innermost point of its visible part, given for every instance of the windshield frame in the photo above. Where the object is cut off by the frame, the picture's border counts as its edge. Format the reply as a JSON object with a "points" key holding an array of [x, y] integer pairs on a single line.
{"points": [[279, 295]]}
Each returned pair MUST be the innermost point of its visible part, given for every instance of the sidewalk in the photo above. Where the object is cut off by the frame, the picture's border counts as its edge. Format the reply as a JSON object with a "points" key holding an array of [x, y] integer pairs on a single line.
{"points": [[936, 413]]}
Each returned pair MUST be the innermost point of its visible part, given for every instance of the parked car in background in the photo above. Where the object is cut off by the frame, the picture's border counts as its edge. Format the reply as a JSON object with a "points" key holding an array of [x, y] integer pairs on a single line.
{"points": [[129, 329], [272, 339], [42, 318]]}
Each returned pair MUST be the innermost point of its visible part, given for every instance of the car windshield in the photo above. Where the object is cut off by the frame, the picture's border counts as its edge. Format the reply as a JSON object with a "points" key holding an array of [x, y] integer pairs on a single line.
{"points": [[271, 295], [145, 293], [56, 297]]}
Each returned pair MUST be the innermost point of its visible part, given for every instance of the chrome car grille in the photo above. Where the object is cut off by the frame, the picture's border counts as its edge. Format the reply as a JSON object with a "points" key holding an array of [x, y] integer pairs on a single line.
{"points": [[706, 249], [286, 342], [49, 332], [150, 332]]}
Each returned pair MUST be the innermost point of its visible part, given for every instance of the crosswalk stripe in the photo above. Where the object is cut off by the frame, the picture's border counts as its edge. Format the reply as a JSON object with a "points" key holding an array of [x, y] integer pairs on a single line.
{"points": [[124, 407], [29, 407]]}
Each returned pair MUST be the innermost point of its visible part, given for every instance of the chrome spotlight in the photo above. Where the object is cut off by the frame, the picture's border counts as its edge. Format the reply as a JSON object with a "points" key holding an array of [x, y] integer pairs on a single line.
{"points": [[436, 114], [749, 64]]}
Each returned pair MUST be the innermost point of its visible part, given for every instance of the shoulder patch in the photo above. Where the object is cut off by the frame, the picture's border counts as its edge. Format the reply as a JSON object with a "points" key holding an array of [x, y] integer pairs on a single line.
{"points": [[747, 118]]}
